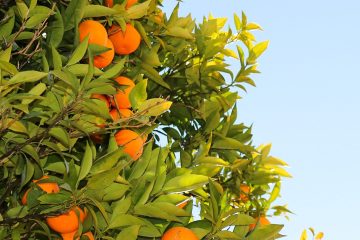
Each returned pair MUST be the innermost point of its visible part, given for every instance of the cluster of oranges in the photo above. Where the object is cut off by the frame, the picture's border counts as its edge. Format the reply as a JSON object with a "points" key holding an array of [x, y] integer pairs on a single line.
{"points": [[66, 224], [119, 107], [122, 43], [115, 39]]}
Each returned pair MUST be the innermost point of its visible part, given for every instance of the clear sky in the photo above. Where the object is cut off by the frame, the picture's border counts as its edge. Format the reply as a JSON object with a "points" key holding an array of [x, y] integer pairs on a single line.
{"points": [[306, 103]]}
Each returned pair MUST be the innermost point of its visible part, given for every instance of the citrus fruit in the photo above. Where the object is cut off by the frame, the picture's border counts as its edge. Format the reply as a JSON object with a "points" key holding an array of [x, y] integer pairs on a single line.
{"points": [[244, 192], [129, 3], [183, 204], [124, 43], [96, 31], [117, 114], [102, 98], [179, 233], [131, 141], [67, 222], [104, 59], [48, 187], [89, 235], [159, 17], [262, 221], [110, 3], [122, 96]]}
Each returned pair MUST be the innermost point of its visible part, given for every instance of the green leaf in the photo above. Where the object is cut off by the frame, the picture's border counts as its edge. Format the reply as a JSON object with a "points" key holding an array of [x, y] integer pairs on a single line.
{"points": [[38, 15], [154, 107], [114, 70], [61, 135], [185, 183], [129, 233], [104, 178], [8, 67], [98, 11], [6, 27], [137, 11], [55, 30], [267, 232], [26, 76], [74, 13], [275, 192], [221, 142], [6, 54], [304, 235], [256, 51], [79, 52], [56, 59], [107, 161], [37, 90], [138, 94], [86, 162], [22, 9], [154, 75], [82, 69], [114, 191], [180, 32], [123, 220], [237, 22]]}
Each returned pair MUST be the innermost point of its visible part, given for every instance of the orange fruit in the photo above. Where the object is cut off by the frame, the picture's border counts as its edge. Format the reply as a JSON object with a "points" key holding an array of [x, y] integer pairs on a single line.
{"points": [[120, 113], [48, 187], [67, 222], [110, 3], [104, 59], [124, 43], [129, 3], [262, 221], [89, 235], [122, 96], [102, 98], [179, 233], [244, 192], [183, 204], [70, 236], [159, 17], [131, 141], [96, 31]]}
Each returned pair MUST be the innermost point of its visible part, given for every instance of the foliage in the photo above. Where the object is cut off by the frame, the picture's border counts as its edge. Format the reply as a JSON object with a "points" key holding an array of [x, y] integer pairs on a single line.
{"points": [[185, 96], [315, 236]]}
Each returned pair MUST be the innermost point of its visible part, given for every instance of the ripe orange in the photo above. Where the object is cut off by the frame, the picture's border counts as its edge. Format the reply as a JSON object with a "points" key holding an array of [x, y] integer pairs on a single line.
{"points": [[131, 141], [104, 59], [159, 17], [89, 235], [263, 221], [49, 187], [96, 31], [110, 3], [67, 222], [130, 3], [179, 233], [124, 43], [102, 98], [120, 113], [70, 236], [122, 96], [183, 204], [244, 192]]}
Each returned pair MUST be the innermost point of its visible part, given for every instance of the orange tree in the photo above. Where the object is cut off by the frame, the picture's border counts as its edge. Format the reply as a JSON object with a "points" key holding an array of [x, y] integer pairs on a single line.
{"points": [[120, 122]]}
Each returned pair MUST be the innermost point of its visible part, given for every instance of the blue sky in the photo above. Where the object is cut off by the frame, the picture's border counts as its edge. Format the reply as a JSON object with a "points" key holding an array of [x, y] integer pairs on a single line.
{"points": [[306, 104]]}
